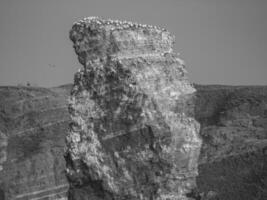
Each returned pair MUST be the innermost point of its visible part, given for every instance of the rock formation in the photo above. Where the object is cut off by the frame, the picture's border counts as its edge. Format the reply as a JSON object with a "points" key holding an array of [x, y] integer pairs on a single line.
{"points": [[131, 136], [232, 163], [34, 122]]}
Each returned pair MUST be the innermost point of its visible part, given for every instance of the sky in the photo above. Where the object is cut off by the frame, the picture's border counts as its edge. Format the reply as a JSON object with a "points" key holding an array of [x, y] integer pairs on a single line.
{"points": [[221, 41]]}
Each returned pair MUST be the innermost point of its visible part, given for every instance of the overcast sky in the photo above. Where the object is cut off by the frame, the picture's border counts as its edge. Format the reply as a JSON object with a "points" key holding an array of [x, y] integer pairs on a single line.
{"points": [[221, 41]]}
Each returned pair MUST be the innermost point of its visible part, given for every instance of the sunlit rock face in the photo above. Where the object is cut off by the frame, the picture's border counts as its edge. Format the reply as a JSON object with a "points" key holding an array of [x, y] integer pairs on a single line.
{"points": [[131, 135]]}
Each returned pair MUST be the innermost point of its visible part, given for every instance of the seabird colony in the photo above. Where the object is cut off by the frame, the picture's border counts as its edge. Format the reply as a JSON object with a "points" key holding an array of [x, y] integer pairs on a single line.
{"points": [[117, 24]]}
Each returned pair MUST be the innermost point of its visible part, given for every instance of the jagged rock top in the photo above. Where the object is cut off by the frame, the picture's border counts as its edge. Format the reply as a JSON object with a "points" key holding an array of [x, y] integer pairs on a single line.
{"points": [[94, 37]]}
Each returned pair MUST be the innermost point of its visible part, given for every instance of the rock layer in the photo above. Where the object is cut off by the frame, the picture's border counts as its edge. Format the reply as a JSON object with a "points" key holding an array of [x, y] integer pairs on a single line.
{"points": [[130, 136]]}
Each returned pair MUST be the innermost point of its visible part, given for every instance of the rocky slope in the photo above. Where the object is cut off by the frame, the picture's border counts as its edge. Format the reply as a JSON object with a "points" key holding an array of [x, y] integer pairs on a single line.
{"points": [[130, 136], [33, 123], [233, 161]]}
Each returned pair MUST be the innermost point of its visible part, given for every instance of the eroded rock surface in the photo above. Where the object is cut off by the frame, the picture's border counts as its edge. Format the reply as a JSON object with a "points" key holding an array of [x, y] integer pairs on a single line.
{"points": [[130, 136], [229, 169], [233, 161], [33, 123]]}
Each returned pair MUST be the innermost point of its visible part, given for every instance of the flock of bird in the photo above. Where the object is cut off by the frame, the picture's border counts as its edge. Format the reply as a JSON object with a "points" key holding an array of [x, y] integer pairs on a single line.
{"points": [[116, 24]]}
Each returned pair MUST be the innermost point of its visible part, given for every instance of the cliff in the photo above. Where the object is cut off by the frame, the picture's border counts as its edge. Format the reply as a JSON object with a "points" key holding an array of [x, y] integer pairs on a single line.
{"points": [[130, 135], [33, 123], [232, 162]]}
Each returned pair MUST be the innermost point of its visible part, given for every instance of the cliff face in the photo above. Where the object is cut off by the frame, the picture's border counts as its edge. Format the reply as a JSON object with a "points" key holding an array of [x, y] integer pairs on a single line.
{"points": [[236, 123], [130, 136], [233, 161], [226, 171], [33, 122]]}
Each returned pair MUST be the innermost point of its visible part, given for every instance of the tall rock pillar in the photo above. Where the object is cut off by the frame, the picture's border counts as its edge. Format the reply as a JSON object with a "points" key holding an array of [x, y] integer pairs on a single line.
{"points": [[131, 137]]}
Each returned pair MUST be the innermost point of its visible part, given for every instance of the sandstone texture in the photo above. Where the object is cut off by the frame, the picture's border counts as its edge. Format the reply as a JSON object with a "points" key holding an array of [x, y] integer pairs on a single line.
{"points": [[236, 174], [130, 136], [33, 122]]}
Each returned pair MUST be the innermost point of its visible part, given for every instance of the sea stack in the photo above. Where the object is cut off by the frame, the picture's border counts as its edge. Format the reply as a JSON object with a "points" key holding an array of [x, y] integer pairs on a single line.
{"points": [[132, 134]]}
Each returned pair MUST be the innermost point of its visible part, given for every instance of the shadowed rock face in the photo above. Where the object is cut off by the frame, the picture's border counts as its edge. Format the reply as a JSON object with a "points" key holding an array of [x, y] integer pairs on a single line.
{"points": [[226, 171], [33, 122], [233, 161], [130, 136]]}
